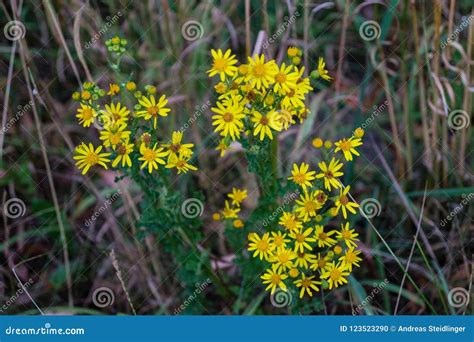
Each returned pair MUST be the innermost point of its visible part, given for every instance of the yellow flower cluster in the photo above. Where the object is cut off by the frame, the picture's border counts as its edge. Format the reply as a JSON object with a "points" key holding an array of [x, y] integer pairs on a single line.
{"points": [[231, 210], [259, 98], [303, 251], [127, 136]]}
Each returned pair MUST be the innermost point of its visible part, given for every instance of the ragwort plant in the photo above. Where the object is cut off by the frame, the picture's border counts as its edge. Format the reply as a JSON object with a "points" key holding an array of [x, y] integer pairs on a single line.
{"points": [[303, 250], [135, 142]]}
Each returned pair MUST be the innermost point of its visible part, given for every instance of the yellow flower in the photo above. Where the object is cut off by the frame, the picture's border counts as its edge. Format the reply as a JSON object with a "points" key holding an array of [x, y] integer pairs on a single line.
{"points": [[176, 147], [350, 258], [180, 162], [294, 272], [274, 278], [261, 245], [237, 196], [263, 124], [114, 134], [131, 86], [229, 212], [261, 74], [279, 239], [282, 258], [359, 132], [292, 51], [223, 64], [151, 157], [222, 147], [342, 202], [290, 222], [123, 154], [216, 216], [115, 113], [86, 115], [348, 235], [307, 205], [327, 144], [320, 263], [238, 223], [307, 284], [302, 176], [220, 88], [153, 108], [324, 239], [347, 146], [317, 142], [285, 79], [285, 116], [303, 259], [335, 274], [337, 249], [87, 156], [302, 239], [293, 98], [86, 95], [321, 71], [114, 89], [330, 173], [228, 118]]}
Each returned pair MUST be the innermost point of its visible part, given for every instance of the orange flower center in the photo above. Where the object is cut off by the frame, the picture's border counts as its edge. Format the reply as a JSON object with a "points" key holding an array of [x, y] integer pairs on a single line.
{"points": [[228, 117]]}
